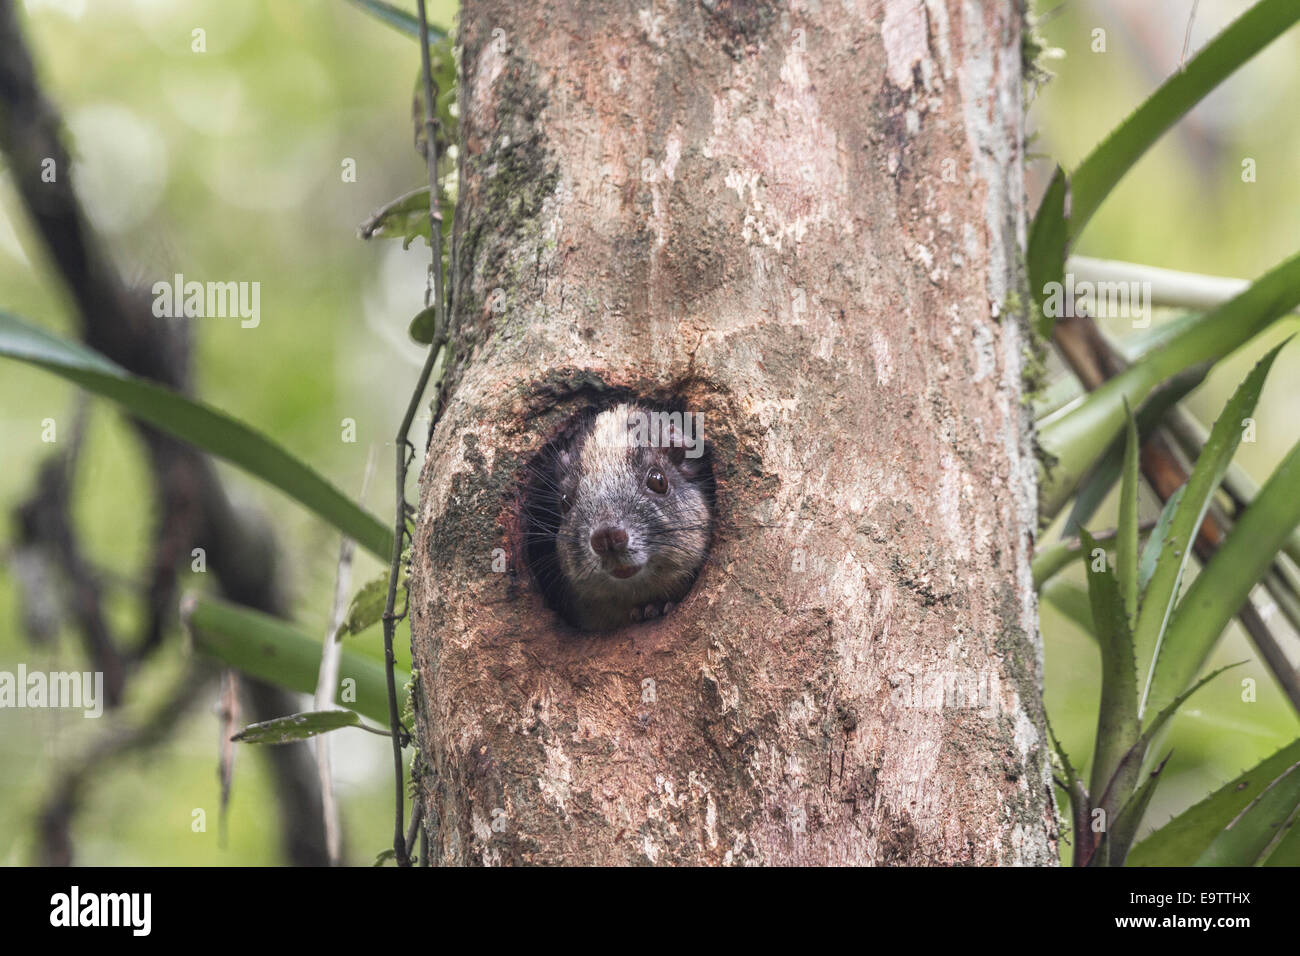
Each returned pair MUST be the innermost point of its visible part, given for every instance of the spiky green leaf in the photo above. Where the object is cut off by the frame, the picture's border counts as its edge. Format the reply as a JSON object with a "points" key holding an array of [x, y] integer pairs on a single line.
{"points": [[1126, 540], [1184, 838], [1225, 583], [1117, 718], [1176, 547], [1075, 440]]}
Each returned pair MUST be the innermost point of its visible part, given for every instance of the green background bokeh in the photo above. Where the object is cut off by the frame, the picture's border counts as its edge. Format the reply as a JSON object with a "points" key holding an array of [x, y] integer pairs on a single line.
{"points": [[228, 165]]}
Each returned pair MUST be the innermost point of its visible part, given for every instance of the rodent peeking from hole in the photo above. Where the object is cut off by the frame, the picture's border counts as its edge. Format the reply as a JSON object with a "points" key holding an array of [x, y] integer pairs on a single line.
{"points": [[618, 513]]}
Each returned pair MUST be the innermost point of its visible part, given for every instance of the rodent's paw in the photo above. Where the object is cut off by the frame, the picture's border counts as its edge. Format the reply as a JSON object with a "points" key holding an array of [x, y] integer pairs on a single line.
{"points": [[648, 612]]}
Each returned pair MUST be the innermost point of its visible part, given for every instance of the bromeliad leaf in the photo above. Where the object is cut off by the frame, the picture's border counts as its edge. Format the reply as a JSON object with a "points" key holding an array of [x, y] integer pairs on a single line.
{"points": [[1150, 553], [295, 727], [1103, 168], [198, 424], [1115, 842], [1048, 237], [1249, 836], [1126, 542], [1101, 479], [1176, 546], [1286, 852], [1125, 778], [1117, 720], [1184, 838], [1225, 582], [1076, 439], [1059, 221], [1073, 786]]}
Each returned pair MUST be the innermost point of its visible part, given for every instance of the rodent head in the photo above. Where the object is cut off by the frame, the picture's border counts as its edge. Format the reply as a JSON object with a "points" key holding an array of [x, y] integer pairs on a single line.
{"points": [[630, 497]]}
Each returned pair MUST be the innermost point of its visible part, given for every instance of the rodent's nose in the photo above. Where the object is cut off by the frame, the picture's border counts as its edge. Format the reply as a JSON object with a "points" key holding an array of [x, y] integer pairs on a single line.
{"points": [[609, 540]]}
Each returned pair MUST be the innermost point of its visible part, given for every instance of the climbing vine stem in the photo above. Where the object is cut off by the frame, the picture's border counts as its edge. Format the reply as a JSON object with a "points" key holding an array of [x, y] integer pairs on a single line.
{"points": [[404, 449]]}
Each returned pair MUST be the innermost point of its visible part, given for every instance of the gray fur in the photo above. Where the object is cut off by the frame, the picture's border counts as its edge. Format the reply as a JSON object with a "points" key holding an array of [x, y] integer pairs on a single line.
{"points": [[603, 474]]}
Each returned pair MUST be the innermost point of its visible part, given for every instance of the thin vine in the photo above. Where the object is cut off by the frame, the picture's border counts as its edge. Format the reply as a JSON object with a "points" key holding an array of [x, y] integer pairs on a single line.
{"points": [[406, 451]]}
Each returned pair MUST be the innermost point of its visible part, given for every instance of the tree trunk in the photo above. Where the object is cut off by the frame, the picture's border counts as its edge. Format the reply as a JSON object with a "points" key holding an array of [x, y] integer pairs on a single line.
{"points": [[807, 223]]}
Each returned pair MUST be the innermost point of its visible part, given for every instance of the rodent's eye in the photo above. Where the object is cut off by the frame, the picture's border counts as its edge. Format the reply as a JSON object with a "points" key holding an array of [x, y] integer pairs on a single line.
{"points": [[566, 502], [656, 482]]}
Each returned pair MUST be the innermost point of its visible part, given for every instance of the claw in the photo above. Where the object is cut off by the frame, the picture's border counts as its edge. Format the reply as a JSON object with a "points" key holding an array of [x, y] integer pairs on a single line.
{"points": [[648, 612]]}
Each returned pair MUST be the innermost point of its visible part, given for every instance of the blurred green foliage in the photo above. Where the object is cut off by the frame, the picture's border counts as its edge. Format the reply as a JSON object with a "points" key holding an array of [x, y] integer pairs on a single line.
{"points": [[1185, 205], [227, 164]]}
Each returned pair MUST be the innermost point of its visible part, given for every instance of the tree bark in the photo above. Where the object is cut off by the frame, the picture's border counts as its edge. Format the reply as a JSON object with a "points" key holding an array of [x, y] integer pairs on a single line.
{"points": [[805, 220]]}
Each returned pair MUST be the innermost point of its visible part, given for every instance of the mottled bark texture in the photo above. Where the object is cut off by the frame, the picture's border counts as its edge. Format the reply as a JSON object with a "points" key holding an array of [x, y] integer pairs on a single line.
{"points": [[805, 219]]}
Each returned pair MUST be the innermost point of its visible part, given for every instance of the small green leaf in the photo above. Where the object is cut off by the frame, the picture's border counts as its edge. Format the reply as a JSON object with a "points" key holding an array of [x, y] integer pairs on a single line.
{"points": [[1186, 836], [1117, 718], [384, 856], [407, 218], [199, 424], [1246, 839], [442, 60], [404, 218], [295, 727], [367, 607], [1126, 542], [424, 325], [1176, 546]]}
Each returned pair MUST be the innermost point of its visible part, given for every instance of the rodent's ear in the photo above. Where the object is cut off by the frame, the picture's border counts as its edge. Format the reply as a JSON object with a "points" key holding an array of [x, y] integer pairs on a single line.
{"points": [[685, 449], [674, 442]]}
